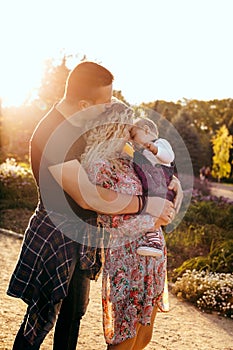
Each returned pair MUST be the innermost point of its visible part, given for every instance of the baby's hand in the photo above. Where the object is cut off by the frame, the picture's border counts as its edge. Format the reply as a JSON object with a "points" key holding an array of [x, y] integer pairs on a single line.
{"points": [[151, 147]]}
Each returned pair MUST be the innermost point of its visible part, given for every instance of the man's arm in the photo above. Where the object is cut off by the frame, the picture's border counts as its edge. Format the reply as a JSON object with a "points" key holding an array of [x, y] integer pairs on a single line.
{"points": [[74, 180]]}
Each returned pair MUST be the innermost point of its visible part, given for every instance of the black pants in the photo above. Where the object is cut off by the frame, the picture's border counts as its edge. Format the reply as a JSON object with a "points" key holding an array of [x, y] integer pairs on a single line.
{"points": [[72, 308]]}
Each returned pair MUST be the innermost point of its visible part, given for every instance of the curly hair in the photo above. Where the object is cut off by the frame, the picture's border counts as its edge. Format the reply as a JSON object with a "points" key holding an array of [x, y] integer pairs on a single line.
{"points": [[105, 135]]}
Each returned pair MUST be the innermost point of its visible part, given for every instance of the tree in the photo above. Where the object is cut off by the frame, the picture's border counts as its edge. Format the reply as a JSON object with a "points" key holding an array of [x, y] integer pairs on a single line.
{"points": [[167, 109], [119, 96], [222, 143], [1, 126], [53, 82], [188, 132]]}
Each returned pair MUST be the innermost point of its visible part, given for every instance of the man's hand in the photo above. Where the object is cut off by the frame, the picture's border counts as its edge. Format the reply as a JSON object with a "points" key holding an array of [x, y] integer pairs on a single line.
{"points": [[175, 185]]}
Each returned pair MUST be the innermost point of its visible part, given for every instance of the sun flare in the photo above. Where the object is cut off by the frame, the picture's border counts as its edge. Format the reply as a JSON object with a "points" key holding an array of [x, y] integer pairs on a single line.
{"points": [[19, 83]]}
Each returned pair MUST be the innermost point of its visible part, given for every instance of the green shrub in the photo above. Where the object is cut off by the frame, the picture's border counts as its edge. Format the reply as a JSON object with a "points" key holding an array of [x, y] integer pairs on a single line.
{"points": [[210, 212], [203, 240], [209, 291], [17, 185], [220, 259]]}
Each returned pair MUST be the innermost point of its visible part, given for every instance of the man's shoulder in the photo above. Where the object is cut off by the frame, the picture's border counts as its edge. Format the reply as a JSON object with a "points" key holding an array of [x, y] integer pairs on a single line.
{"points": [[48, 122]]}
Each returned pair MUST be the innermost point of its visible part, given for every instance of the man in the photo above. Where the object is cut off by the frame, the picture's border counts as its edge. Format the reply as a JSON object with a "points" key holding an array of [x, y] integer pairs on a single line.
{"points": [[49, 276]]}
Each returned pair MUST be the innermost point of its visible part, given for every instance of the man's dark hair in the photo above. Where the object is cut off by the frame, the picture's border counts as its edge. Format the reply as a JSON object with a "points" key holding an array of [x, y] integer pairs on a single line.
{"points": [[84, 79]]}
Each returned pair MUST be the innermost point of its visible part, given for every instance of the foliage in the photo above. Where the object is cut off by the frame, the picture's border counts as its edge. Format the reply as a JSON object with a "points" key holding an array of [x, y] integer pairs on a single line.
{"points": [[118, 94], [209, 291], [18, 124], [219, 259], [17, 185], [208, 211], [203, 240], [188, 131], [222, 143], [204, 117], [53, 82], [200, 253], [167, 109], [208, 116]]}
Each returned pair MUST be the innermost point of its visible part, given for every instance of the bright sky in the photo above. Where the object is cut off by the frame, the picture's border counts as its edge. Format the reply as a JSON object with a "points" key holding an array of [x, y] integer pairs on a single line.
{"points": [[156, 49]]}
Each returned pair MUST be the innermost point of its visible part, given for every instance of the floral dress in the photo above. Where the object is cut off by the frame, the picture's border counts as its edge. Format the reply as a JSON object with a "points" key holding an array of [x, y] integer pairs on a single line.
{"points": [[132, 284]]}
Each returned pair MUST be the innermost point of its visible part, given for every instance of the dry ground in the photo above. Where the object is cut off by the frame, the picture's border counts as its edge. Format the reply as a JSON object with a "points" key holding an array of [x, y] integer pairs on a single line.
{"points": [[182, 328]]}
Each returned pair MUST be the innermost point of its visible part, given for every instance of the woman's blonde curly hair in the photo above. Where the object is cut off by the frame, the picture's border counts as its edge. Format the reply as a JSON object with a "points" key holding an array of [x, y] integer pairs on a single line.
{"points": [[105, 134]]}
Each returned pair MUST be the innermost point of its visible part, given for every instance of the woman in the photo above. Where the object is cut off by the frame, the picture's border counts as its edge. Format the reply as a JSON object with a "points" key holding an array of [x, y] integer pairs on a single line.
{"points": [[132, 284]]}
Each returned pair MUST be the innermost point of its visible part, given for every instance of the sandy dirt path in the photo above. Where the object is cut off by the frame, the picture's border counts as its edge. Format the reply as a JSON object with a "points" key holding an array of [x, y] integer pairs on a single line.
{"points": [[221, 190], [182, 328]]}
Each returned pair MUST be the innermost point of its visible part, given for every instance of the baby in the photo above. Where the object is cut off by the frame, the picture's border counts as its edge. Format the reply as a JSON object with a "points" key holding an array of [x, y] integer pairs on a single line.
{"points": [[154, 164]]}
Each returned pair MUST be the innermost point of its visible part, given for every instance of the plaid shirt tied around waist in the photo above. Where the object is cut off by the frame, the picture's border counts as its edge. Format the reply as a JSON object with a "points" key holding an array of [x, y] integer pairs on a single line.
{"points": [[42, 274]]}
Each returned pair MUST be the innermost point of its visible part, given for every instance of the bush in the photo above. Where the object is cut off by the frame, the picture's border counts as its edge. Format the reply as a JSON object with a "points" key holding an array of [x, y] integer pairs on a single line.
{"points": [[200, 254], [209, 291], [220, 259], [203, 240], [17, 185], [201, 188], [218, 213], [202, 192]]}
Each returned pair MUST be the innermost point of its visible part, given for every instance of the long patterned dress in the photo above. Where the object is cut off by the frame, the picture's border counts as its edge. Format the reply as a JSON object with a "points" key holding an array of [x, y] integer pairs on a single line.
{"points": [[132, 284]]}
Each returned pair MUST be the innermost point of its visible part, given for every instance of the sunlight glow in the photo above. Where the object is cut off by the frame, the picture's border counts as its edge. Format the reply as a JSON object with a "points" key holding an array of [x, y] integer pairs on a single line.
{"points": [[18, 84], [174, 49]]}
